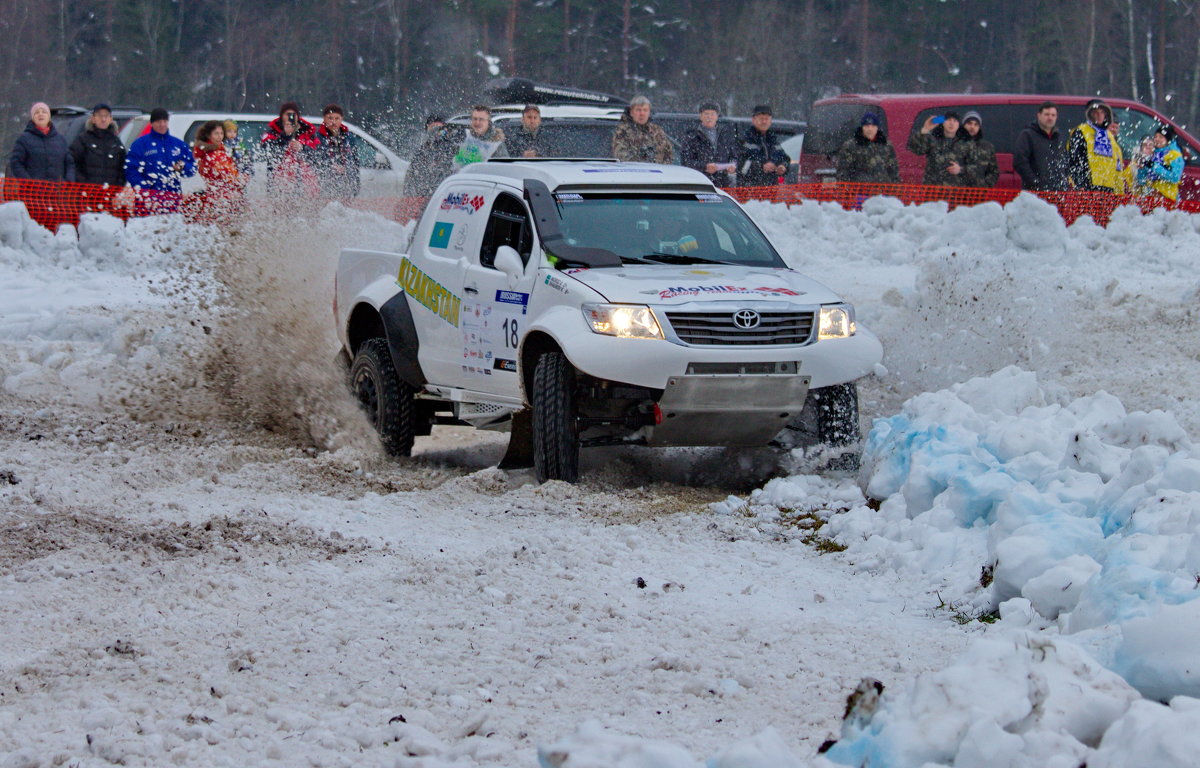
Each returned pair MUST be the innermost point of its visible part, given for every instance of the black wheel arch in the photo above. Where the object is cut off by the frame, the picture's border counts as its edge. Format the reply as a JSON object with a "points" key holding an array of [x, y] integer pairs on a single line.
{"points": [[393, 322]]}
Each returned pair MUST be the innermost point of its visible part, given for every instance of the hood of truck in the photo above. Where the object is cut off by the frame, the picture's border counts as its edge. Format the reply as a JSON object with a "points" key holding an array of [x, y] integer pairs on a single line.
{"points": [[672, 285]]}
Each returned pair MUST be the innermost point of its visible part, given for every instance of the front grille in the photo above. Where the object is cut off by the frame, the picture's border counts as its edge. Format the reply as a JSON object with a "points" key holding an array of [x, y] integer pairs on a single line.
{"points": [[718, 328]]}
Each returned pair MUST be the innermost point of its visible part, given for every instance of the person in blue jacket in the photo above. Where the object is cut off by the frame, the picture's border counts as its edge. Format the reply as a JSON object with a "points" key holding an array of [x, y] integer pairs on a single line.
{"points": [[41, 151], [156, 163]]}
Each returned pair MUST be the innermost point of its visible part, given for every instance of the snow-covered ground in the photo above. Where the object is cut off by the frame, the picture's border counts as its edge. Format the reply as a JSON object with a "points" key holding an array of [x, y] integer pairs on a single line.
{"points": [[205, 560]]}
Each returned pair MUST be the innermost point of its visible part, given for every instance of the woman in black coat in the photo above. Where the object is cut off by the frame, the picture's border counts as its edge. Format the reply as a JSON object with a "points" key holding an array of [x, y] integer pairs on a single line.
{"points": [[41, 151], [98, 154]]}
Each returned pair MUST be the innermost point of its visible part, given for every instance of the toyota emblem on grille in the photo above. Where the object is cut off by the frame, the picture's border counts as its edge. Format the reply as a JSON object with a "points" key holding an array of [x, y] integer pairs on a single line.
{"points": [[746, 319]]}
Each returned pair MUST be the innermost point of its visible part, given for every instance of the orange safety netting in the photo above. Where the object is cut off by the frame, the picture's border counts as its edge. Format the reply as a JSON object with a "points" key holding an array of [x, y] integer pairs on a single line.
{"points": [[53, 203]]}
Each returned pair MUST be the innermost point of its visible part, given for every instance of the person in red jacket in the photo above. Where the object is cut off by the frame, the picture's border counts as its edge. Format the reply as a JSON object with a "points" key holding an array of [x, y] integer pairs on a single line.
{"points": [[222, 182], [289, 144]]}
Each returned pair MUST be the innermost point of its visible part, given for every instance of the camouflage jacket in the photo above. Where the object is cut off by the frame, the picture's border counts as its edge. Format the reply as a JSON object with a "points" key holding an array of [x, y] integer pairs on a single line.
{"points": [[861, 159], [980, 168], [939, 153], [641, 143]]}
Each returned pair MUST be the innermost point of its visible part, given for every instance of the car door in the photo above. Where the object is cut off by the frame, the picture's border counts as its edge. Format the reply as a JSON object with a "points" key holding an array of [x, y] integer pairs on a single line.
{"points": [[449, 233], [495, 307]]}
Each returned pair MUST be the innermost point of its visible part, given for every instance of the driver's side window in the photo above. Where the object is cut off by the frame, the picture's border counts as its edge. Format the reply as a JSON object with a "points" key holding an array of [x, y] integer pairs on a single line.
{"points": [[508, 224]]}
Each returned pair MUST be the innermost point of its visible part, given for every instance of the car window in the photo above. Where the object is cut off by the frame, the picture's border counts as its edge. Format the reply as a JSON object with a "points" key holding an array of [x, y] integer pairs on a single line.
{"points": [[793, 146], [831, 124], [579, 139], [135, 127], [1132, 126], [508, 224], [369, 156]]}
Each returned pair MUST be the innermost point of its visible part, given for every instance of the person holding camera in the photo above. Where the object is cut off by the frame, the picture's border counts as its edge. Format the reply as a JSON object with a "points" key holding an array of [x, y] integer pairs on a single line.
{"points": [[638, 140], [946, 149], [288, 146]]}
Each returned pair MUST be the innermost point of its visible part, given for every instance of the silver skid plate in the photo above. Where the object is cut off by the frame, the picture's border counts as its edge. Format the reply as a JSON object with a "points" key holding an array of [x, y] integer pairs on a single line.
{"points": [[728, 410]]}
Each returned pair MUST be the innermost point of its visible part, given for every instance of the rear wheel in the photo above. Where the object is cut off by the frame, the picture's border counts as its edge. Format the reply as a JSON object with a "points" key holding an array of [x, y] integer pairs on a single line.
{"points": [[555, 422], [390, 402]]}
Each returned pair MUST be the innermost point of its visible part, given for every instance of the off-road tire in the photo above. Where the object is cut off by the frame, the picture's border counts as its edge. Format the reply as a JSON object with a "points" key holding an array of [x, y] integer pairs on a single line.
{"points": [[829, 419], [555, 423], [389, 402]]}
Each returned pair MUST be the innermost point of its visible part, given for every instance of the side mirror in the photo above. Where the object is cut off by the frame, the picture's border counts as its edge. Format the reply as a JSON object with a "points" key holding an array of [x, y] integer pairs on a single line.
{"points": [[509, 262], [381, 160]]}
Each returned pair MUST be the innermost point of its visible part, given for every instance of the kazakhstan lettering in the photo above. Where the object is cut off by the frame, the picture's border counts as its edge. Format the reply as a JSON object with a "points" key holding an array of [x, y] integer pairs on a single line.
{"points": [[428, 293]]}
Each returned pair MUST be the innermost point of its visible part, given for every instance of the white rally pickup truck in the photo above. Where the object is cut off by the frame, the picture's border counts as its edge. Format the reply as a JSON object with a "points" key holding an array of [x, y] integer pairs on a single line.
{"points": [[586, 302]]}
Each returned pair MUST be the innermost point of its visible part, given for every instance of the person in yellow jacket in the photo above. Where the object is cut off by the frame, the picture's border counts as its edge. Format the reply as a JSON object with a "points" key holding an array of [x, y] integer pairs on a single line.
{"points": [[1095, 157], [1163, 169]]}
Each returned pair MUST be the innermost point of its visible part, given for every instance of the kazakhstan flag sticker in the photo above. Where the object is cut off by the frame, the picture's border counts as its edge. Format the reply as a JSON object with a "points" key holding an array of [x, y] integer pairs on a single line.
{"points": [[441, 234]]}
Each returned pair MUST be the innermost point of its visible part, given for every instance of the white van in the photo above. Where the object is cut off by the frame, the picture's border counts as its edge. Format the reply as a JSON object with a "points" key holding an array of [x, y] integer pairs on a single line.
{"points": [[381, 171]]}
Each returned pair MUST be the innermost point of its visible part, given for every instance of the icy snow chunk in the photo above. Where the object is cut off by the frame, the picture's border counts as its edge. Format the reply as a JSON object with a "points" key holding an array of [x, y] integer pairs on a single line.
{"points": [[1035, 225], [765, 749], [1151, 734], [101, 238], [1058, 588], [593, 747], [1159, 654]]}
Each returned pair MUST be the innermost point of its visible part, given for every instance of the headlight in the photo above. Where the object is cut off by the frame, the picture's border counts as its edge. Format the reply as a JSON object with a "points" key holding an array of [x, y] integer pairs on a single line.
{"points": [[626, 321], [837, 322]]}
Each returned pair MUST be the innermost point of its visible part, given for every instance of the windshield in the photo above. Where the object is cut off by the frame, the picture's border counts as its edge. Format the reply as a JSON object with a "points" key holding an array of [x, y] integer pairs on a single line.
{"points": [[675, 229]]}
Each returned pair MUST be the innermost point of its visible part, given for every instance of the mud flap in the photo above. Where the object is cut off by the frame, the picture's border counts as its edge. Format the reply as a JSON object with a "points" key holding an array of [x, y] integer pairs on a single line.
{"points": [[520, 442]]}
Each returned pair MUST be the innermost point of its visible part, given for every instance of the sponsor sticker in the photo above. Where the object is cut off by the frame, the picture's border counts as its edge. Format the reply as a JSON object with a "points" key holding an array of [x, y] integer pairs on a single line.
{"points": [[461, 201], [621, 170], [428, 292], [556, 283], [513, 297], [708, 290], [505, 365], [708, 198], [441, 234], [569, 197]]}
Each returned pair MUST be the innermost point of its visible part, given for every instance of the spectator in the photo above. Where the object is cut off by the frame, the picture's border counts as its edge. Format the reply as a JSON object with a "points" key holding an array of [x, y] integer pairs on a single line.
{"points": [[945, 147], [867, 156], [288, 145], [98, 154], [1040, 157], [528, 140], [155, 164], [761, 161], [337, 155], [710, 147], [482, 142], [431, 161], [434, 121], [980, 169], [1095, 156], [214, 163], [1164, 169], [239, 149], [636, 139], [40, 152]]}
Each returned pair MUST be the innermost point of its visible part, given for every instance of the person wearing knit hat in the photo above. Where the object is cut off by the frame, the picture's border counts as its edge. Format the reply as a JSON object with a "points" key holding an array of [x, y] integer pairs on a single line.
{"points": [[761, 159], [945, 147], [867, 156], [40, 152], [710, 147], [1164, 167], [155, 165], [980, 168]]}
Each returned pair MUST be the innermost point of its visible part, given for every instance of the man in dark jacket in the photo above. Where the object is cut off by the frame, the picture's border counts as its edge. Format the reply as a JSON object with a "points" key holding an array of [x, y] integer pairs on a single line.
{"points": [[945, 147], [336, 155], [761, 161], [867, 156], [528, 140], [711, 148], [40, 152], [98, 154], [1040, 157], [980, 168]]}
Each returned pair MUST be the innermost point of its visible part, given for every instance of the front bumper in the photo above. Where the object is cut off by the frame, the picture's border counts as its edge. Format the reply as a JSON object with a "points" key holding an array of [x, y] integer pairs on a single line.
{"points": [[727, 410]]}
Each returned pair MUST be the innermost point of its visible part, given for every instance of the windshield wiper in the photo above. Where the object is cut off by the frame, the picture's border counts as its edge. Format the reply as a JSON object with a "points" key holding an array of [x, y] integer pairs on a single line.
{"points": [[635, 260], [678, 258]]}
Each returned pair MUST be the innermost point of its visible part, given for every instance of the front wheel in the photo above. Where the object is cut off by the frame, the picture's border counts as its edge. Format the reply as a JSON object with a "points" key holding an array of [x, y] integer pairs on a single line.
{"points": [[828, 422], [555, 422], [389, 401]]}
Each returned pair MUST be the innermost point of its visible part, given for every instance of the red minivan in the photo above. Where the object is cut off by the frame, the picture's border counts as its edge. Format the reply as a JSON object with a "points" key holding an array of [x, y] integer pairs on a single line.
{"points": [[834, 120]]}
